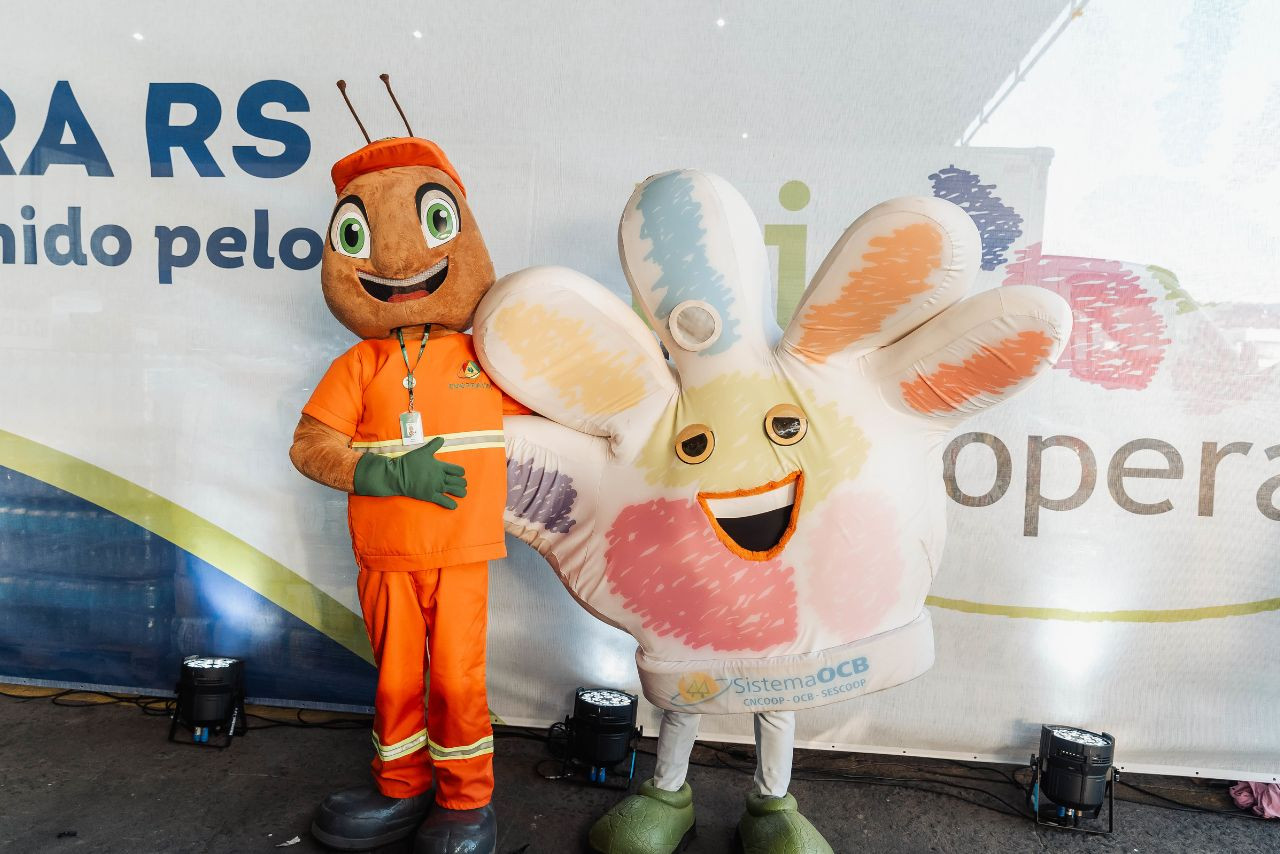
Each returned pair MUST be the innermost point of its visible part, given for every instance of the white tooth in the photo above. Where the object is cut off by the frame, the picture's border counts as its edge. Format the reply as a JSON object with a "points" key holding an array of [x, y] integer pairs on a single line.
{"points": [[415, 279], [750, 505]]}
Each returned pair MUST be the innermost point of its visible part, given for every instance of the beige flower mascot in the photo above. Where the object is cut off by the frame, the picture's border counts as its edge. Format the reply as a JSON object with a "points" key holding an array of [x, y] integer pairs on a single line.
{"points": [[763, 513], [408, 424]]}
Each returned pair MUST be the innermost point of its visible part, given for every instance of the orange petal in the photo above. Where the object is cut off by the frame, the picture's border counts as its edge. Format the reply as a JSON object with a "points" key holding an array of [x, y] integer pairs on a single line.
{"points": [[988, 372]]}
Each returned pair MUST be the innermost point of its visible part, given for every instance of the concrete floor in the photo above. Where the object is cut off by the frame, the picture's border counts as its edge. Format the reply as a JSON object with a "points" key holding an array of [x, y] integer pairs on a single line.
{"points": [[105, 779]]}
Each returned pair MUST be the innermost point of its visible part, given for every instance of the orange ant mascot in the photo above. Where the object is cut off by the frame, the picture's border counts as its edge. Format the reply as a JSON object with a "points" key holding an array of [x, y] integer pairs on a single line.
{"points": [[408, 424]]}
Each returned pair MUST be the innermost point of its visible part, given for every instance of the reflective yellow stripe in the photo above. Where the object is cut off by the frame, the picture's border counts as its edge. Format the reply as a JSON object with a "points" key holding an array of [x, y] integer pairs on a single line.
{"points": [[443, 754], [465, 434], [391, 455], [401, 748], [449, 449], [470, 440]]}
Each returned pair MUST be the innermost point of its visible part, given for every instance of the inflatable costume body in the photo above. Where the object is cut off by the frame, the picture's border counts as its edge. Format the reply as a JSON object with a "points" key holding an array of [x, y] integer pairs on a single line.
{"points": [[408, 424], [764, 513]]}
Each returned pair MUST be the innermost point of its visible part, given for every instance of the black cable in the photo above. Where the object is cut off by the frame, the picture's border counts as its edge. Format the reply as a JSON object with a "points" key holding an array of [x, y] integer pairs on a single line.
{"points": [[302, 723], [1179, 806], [164, 706], [913, 783], [726, 757]]}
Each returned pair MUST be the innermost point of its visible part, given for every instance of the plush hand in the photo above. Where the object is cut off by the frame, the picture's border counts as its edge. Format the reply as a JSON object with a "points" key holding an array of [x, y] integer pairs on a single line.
{"points": [[763, 496], [417, 474]]}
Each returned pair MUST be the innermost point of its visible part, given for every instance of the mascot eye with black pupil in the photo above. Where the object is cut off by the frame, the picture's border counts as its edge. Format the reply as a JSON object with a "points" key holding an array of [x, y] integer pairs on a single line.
{"points": [[440, 220], [786, 428], [350, 234], [695, 446]]}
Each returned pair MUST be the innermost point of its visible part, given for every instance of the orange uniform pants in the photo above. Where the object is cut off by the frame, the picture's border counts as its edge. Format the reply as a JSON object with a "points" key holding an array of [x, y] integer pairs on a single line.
{"points": [[432, 619]]}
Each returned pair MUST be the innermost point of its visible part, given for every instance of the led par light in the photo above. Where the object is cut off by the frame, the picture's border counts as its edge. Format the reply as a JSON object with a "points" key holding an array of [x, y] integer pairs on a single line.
{"points": [[1073, 773], [210, 699], [602, 730]]}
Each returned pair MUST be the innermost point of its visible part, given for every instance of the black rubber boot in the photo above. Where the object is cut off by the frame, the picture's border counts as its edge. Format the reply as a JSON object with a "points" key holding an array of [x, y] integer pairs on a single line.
{"points": [[449, 831], [362, 818]]}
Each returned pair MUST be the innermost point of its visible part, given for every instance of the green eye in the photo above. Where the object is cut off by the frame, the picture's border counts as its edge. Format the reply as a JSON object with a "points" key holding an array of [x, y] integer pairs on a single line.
{"points": [[351, 235], [439, 220], [439, 215]]}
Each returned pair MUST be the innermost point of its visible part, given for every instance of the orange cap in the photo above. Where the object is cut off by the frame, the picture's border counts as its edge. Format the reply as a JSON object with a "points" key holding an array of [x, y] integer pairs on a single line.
{"points": [[386, 153]]}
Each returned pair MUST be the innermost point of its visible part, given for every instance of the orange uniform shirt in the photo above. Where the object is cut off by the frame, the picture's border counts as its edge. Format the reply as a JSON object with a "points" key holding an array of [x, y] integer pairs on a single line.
{"points": [[362, 396]]}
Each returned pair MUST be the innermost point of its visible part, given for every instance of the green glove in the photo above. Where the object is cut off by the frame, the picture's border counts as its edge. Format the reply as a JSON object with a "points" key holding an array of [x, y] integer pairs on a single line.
{"points": [[418, 474]]}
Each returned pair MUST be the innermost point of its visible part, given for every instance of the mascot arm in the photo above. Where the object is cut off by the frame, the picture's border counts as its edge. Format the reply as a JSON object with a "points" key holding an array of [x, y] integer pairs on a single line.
{"points": [[553, 484], [324, 454]]}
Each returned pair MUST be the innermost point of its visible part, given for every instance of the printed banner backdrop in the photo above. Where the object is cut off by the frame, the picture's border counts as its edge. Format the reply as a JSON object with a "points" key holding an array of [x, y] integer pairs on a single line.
{"points": [[163, 188]]}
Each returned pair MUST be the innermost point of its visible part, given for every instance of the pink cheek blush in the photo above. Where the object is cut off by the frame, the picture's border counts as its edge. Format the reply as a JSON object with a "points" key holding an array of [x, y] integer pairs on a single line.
{"points": [[855, 566], [665, 562]]}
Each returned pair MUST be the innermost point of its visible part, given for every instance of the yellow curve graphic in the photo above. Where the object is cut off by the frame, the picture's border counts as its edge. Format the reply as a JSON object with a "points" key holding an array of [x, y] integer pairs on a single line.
{"points": [[1166, 615], [200, 537]]}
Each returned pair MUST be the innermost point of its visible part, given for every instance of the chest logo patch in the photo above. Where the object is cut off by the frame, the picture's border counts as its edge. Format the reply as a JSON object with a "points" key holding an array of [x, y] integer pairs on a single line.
{"points": [[469, 370]]}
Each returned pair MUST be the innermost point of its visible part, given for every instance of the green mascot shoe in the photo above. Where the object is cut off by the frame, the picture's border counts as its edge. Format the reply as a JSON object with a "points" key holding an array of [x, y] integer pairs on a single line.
{"points": [[652, 821], [775, 826]]}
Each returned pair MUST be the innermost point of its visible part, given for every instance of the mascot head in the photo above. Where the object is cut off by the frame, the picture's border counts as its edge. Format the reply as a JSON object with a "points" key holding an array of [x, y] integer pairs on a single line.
{"points": [[403, 248]]}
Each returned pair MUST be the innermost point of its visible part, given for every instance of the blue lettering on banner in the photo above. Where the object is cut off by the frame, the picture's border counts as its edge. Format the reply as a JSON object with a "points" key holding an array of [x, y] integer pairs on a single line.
{"points": [[8, 120], [178, 247], [67, 138], [224, 241], [65, 116], [97, 245], [289, 242], [296, 142], [163, 137], [827, 682], [166, 258]]}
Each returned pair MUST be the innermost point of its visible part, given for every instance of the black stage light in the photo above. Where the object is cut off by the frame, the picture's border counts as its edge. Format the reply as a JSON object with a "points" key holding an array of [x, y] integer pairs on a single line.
{"points": [[1073, 777], [210, 700], [601, 733]]}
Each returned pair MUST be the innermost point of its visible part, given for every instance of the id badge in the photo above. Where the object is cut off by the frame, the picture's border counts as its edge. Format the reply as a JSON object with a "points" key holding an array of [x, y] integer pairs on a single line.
{"points": [[411, 428]]}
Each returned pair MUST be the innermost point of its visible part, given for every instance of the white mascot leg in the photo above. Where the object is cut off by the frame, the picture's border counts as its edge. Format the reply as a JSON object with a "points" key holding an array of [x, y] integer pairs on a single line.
{"points": [[775, 742], [675, 742]]}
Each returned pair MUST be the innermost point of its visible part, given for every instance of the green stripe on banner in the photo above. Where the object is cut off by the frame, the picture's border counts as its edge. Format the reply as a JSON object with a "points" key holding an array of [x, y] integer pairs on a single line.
{"points": [[200, 537], [1168, 615]]}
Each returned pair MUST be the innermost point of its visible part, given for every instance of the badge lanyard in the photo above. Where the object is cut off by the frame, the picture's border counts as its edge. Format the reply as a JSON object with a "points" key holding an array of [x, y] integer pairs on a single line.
{"points": [[411, 422]]}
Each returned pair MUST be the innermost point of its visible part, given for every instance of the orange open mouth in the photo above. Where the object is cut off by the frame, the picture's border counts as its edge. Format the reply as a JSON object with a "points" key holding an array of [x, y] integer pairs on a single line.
{"points": [[756, 523]]}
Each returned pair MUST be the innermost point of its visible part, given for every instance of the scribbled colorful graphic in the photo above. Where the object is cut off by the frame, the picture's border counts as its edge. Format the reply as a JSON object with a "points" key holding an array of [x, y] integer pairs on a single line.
{"points": [[673, 223], [604, 381], [696, 589], [858, 568], [998, 224], [897, 268], [1173, 289], [537, 495], [1118, 340], [989, 373]]}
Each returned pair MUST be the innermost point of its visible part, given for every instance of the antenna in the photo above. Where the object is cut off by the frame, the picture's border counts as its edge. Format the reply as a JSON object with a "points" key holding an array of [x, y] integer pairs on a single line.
{"points": [[386, 80], [342, 87]]}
